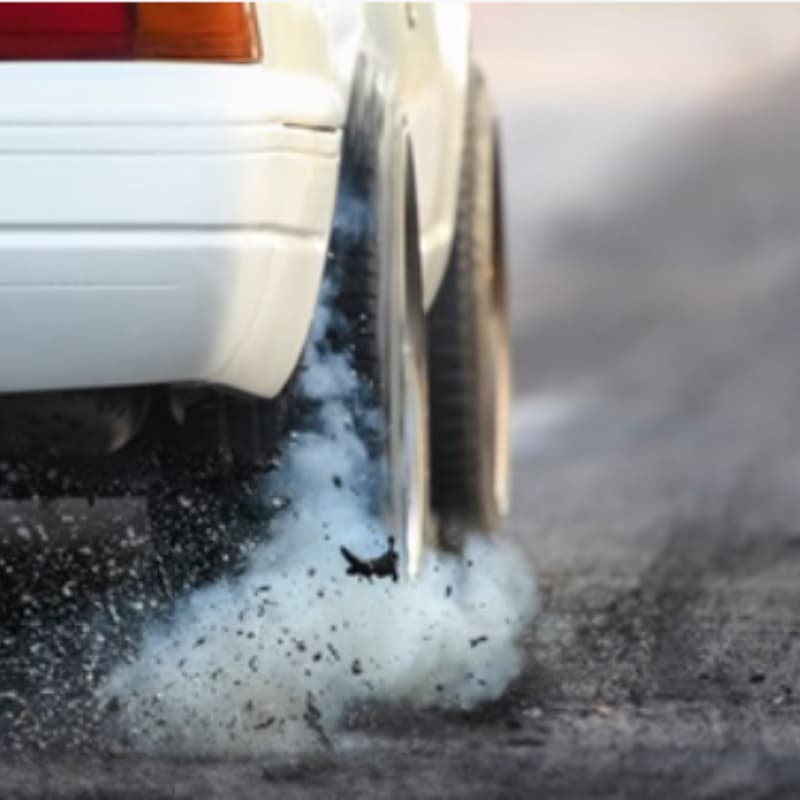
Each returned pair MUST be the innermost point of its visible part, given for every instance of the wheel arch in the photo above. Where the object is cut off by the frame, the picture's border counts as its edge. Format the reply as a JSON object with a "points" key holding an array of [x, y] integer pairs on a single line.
{"points": [[424, 52]]}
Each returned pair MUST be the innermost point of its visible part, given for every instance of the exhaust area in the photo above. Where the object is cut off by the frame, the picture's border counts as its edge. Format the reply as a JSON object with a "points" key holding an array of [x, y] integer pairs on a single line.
{"points": [[274, 658]]}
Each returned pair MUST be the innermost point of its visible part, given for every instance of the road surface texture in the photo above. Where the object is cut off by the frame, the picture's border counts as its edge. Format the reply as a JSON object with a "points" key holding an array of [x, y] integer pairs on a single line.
{"points": [[654, 186]]}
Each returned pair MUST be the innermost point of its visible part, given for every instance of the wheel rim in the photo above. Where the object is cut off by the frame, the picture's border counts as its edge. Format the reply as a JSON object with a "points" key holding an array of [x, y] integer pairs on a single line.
{"points": [[499, 344], [411, 471], [493, 344], [406, 381]]}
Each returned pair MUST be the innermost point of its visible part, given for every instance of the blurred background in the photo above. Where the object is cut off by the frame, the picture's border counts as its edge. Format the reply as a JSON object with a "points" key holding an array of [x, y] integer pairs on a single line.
{"points": [[652, 170], [653, 186]]}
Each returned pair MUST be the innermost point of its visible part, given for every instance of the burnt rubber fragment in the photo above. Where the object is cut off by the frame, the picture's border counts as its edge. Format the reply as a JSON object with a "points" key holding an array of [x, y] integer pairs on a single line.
{"points": [[384, 566]]}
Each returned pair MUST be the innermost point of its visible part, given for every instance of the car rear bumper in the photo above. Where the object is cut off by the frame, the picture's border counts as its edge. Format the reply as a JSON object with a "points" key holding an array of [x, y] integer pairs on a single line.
{"points": [[163, 250], [99, 308]]}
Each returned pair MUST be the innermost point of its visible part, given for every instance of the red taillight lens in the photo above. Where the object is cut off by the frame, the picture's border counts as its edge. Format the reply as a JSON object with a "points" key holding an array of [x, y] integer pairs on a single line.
{"points": [[65, 30], [184, 31]]}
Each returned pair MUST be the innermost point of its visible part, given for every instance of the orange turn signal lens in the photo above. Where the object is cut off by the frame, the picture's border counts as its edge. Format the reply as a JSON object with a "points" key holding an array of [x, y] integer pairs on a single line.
{"points": [[196, 31]]}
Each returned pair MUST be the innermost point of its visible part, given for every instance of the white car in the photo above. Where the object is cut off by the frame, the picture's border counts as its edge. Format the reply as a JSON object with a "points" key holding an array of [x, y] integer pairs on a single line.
{"points": [[177, 178]]}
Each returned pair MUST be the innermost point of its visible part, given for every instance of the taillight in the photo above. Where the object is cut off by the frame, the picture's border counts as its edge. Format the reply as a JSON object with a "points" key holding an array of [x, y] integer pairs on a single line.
{"points": [[208, 31], [184, 31], [65, 30]]}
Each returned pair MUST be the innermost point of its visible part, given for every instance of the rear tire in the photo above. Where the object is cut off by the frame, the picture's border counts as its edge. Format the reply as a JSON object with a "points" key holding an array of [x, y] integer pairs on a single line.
{"points": [[468, 350]]}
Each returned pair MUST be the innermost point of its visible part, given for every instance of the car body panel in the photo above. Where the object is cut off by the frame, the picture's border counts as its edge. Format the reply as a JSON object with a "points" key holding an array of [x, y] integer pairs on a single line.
{"points": [[426, 48], [168, 222]]}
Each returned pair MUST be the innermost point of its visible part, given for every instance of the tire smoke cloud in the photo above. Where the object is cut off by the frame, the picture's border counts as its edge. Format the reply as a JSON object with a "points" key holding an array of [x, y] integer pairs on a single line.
{"points": [[274, 658]]}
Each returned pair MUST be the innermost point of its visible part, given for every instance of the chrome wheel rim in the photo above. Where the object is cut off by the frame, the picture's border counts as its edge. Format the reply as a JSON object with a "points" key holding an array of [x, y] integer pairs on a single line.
{"points": [[406, 377], [499, 342], [493, 342]]}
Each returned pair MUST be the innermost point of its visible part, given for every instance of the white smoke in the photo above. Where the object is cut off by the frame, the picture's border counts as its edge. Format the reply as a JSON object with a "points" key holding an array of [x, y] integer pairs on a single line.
{"points": [[273, 659]]}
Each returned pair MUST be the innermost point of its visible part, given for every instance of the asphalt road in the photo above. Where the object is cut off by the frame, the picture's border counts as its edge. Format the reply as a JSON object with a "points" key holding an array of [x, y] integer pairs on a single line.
{"points": [[657, 451]]}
